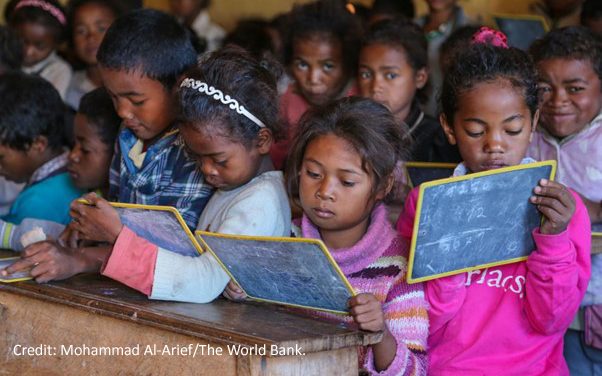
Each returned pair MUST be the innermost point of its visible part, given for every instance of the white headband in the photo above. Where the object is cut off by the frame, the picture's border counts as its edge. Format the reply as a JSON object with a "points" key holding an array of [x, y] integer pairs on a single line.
{"points": [[218, 95]]}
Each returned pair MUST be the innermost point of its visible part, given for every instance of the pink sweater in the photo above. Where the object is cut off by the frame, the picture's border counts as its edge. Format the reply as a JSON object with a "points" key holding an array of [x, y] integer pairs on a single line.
{"points": [[377, 264], [509, 319]]}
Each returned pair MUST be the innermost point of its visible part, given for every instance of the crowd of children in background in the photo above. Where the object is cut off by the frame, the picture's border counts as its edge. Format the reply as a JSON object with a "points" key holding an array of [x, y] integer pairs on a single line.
{"points": [[301, 125]]}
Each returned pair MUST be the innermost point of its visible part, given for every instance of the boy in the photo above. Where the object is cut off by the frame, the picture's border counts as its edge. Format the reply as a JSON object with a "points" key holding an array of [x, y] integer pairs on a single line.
{"points": [[140, 59], [32, 150], [569, 63]]}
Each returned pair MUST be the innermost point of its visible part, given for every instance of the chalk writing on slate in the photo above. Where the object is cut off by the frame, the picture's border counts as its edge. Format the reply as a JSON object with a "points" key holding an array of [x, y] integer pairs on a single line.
{"points": [[475, 221], [289, 271], [160, 225]]}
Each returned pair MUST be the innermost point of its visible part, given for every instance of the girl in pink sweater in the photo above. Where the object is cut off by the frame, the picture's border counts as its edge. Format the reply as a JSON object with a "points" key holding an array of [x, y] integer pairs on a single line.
{"points": [[341, 168], [506, 319]]}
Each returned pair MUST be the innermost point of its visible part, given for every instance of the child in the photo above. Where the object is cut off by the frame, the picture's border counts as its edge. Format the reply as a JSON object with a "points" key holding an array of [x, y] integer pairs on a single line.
{"points": [[393, 71], [229, 130], [508, 319], [11, 50], [41, 25], [443, 18], [195, 14], [140, 59], [340, 170], [89, 21], [321, 54], [591, 16], [569, 62], [96, 127], [32, 150]]}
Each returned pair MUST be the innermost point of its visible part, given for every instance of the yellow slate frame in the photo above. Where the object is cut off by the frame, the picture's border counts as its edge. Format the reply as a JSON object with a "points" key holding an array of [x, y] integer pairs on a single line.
{"points": [[11, 280], [426, 185]]}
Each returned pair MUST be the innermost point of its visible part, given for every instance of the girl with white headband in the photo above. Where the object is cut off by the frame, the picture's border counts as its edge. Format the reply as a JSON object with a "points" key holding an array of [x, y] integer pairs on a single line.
{"points": [[41, 24], [228, 119]]}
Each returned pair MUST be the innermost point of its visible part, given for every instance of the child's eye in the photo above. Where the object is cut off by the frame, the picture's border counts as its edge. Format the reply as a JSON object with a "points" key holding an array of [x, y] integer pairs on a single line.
{"points": [[328, 67], [544, 89], [302, 65], [365, 75], [138, 103], [575, 89], [474, 134], [514, 133], [348, 183], [312, 175], [221, 163], [391, 76]]}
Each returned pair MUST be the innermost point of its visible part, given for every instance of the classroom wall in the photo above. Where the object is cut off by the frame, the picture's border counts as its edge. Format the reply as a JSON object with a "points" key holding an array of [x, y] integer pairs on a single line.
{"points": [[227, 12]]}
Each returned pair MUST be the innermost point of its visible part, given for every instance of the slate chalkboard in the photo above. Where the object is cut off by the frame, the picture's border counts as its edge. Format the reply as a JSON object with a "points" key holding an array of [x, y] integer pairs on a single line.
{"points": [[161, 225], [291, 271], [521, 30], [475, 221], [421, 172], [15, 277]]}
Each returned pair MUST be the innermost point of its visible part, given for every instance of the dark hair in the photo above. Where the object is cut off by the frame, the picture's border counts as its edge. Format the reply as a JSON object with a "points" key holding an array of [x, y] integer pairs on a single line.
{"points": [[30, 107], [98, 107], [573, 43], [150, 42], [234, 72], [591, 10], [394, 8], [367, 125], [11, 49], [458, 41], [325, 19], [486, 63], [40, 16], [253, 36]]}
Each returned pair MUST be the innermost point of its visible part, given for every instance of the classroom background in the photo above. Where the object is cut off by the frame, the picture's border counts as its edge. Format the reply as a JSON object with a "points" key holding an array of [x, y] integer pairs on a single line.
{"points": [[228, 12]]}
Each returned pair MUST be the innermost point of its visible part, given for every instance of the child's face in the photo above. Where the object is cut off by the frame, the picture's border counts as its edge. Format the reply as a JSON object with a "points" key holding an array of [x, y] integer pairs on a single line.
{"points": [[38, 42], [90, 24], [16, 165], [492, 126], [386, 77], [318, 69], [334, 191], [225, 163], [90, 158], [143, 104], [571, 95]]}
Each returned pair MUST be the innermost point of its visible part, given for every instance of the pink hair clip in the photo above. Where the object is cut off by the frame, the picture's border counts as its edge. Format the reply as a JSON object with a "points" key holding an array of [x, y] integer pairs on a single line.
{"points": [[54, 11], [487, 35]]}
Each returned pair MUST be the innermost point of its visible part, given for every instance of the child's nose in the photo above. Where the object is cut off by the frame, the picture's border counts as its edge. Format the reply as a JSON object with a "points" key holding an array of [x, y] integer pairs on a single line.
{"points": [[494, 143], [208, 168], [315, 76], [326, 190], [558, 97]]}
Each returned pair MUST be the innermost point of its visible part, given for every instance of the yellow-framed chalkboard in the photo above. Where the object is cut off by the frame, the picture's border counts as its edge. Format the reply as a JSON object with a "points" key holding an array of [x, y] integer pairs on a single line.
{"points": [[15, 277], [296, 272], [475, 221]]}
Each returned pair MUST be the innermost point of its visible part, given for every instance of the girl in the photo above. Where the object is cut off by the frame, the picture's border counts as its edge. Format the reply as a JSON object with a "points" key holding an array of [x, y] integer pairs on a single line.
{"points": [[321, 54], [569, 62], [96, 127], [508, 319], [88, 20], [340, 170], [393, 71], [229, 132], [41, 25]]}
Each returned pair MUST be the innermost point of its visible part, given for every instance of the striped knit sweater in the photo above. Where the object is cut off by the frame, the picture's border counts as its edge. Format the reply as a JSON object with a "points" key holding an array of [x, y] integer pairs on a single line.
{"points": [[377, 264]]}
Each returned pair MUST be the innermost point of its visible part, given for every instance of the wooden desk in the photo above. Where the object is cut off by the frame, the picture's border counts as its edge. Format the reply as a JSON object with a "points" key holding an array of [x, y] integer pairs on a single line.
{"points": [[92, 311]]}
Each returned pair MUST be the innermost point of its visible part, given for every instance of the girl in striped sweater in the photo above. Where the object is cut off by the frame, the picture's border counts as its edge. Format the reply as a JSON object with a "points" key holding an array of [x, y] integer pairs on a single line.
{"points": [[340, 170]]}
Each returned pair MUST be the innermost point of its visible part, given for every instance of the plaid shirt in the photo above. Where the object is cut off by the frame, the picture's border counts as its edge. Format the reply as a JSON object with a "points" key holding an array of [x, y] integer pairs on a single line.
{"points": [[167, 177]]}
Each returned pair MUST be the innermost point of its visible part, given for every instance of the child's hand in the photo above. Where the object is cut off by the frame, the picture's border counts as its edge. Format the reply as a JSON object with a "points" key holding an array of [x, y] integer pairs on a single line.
{"points": [[556, 204], [367, 312], [47, 260], [98, 221], [234, 292], [69, 237]]}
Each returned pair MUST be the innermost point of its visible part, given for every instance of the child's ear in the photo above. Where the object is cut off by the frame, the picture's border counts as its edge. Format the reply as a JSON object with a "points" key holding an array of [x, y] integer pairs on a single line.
{"points": [[387, 187], [422, 76], [264, 141], [534, 125], [38, 145], [447, 129]]}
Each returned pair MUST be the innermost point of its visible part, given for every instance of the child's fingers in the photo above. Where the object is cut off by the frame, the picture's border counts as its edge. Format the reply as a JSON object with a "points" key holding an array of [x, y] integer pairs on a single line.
{"points": [[549, 202], [20, 265], [555, 190]]}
